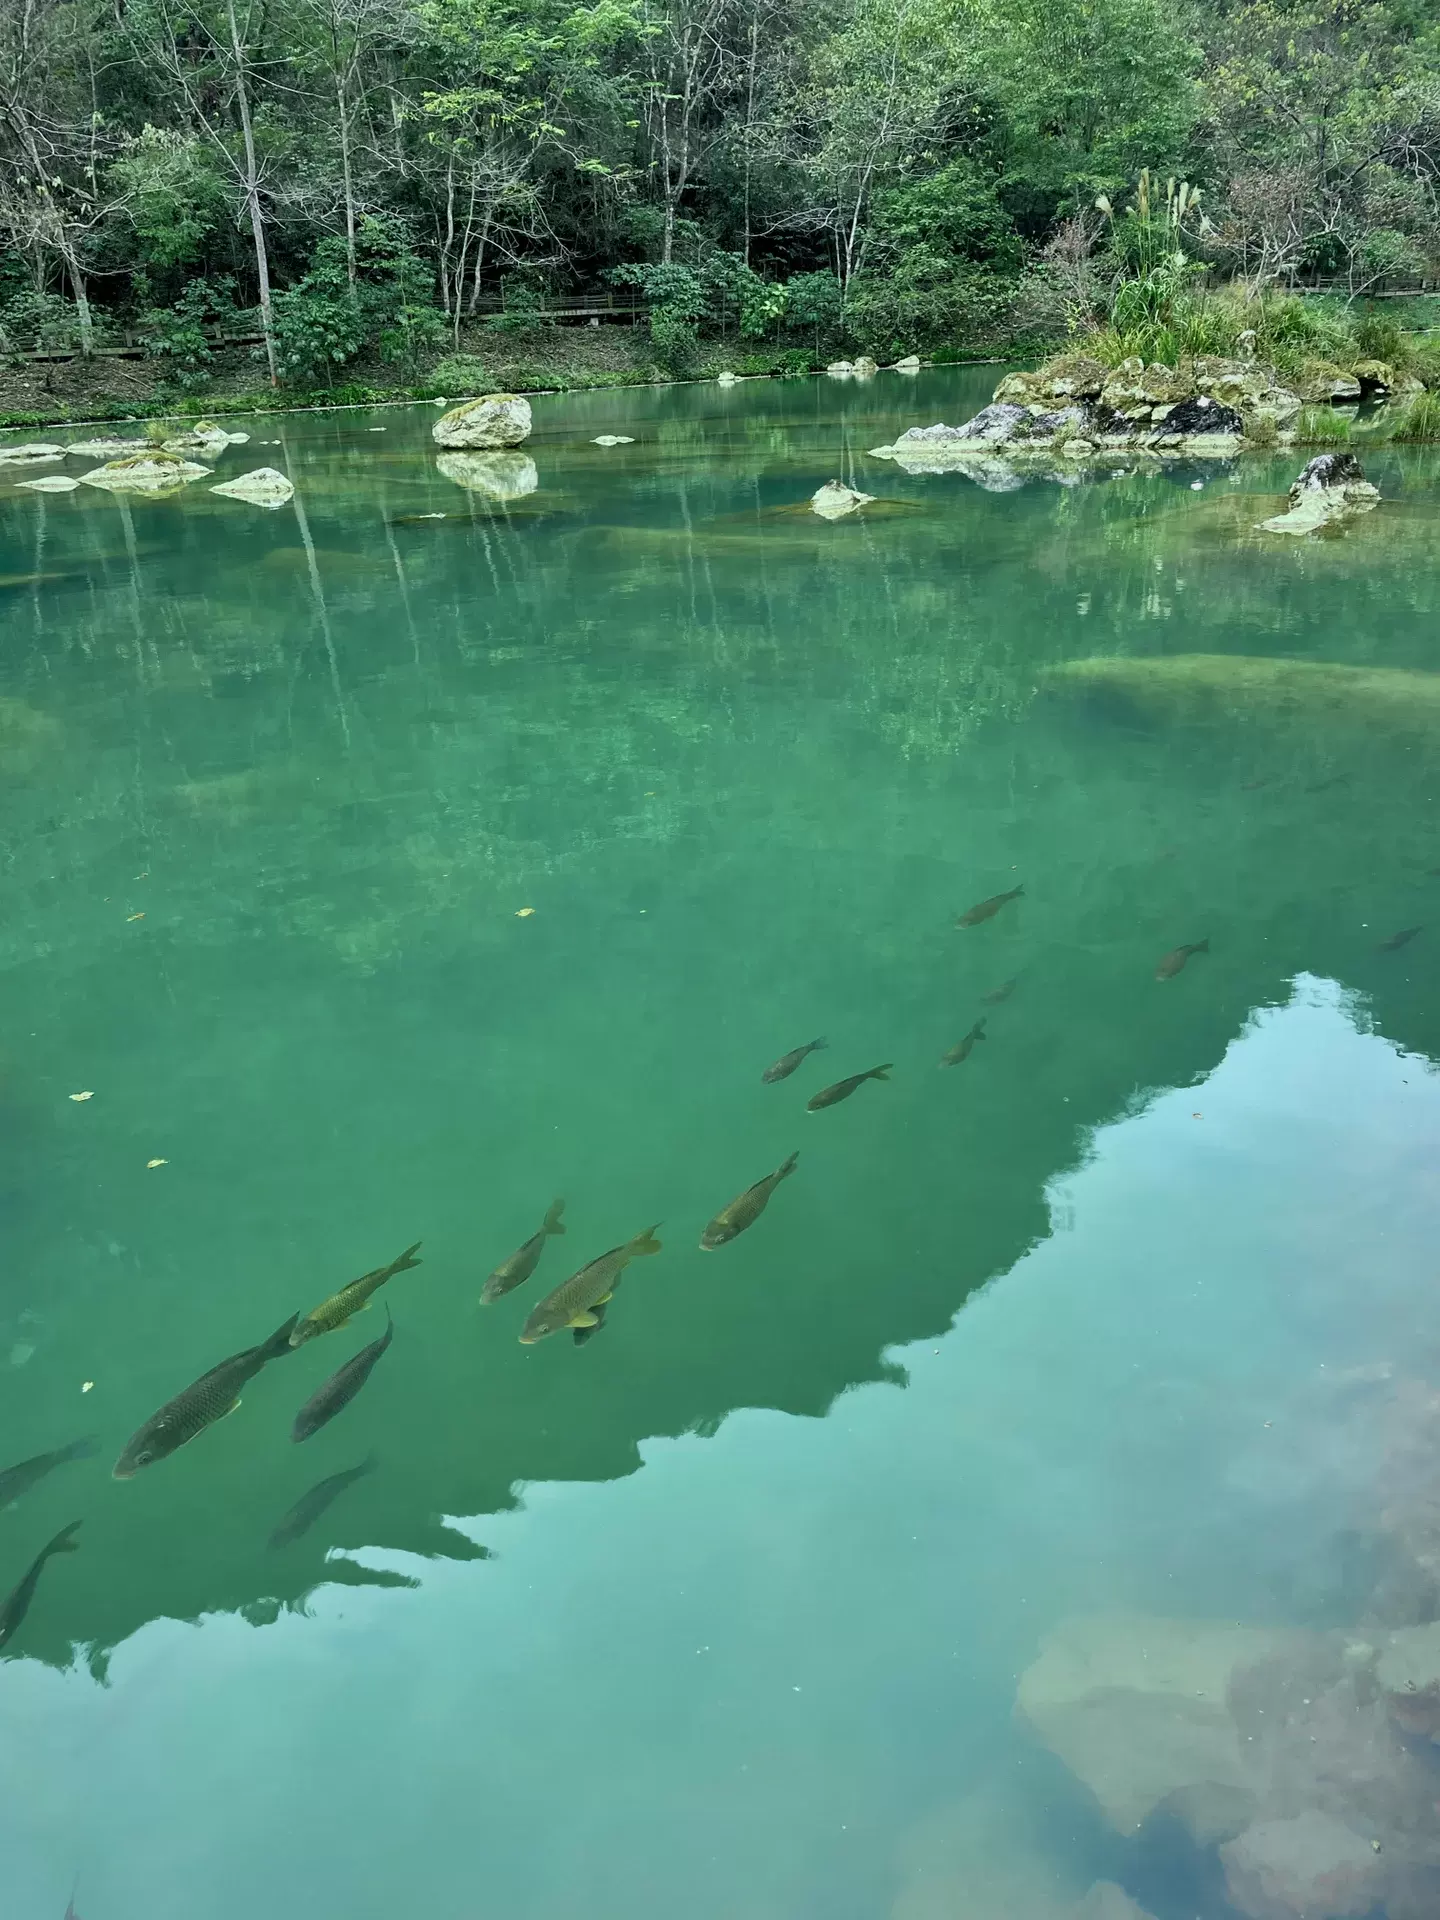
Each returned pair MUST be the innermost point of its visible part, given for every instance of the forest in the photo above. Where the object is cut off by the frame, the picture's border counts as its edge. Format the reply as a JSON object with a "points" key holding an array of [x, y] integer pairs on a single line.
{"points": [[396, 183]]}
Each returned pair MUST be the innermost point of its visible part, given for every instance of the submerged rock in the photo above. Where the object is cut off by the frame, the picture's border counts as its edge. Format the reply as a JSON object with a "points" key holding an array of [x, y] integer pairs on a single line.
{"points": [[1312, 1867], [613, 440], [1137, 1707], [106, 448], [263, 487], [499, 476], [1199, 686], [1330, 488], [834, 500], [32, 454], [153, 471], [1106, 1901], [494, 420], [50, 483]]}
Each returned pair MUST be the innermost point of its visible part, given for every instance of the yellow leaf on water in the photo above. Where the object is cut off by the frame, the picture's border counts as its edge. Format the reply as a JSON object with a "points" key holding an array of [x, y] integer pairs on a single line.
{"points": [[86, 1386], [134, 916], [523, 913], [90, 1095], [157, 1163]]}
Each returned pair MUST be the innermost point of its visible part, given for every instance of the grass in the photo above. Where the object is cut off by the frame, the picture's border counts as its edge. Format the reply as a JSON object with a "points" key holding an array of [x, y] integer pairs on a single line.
{"points": [[1324, 427]]}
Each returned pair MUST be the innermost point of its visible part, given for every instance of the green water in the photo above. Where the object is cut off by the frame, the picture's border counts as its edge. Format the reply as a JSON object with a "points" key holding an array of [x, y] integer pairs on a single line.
{"points": [[385, 881]]}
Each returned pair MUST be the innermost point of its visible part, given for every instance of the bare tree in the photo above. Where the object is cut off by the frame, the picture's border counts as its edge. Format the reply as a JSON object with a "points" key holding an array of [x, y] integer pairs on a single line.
{"points": [[691, 71]]}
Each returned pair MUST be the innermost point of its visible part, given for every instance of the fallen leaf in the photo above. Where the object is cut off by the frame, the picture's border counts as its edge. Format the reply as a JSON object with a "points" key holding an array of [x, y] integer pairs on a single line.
{"points": [[1197, 1116], [86, 1386], [90, 1095], [134, 916], [157, 1163], [523, 913]]}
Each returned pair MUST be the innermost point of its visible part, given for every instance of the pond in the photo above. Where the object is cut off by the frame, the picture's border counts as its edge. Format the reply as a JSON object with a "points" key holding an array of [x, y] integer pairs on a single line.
{"points": [[1042, 1491]]}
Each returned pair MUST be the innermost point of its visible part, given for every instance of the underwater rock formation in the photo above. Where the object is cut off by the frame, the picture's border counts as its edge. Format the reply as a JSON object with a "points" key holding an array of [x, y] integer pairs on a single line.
{"points": [[1309, 1868], [33, 454], [494, 420]]}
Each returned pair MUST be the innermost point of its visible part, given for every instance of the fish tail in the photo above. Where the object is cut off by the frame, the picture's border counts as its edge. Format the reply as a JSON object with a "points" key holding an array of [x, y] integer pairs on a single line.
{"points": [[1018, 891], [880, 1073], [64, 1541], [644, 1242], [816, 1046], [784, 1172], [553, 1222], [81, 1449], [1201, 946], [406, 1260], [279, 1341]]}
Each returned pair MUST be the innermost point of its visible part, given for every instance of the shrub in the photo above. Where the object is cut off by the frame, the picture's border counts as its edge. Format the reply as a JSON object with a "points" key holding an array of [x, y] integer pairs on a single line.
{"points": [[1324, 427], [674, 340], [461, 374], [1417, 419]]}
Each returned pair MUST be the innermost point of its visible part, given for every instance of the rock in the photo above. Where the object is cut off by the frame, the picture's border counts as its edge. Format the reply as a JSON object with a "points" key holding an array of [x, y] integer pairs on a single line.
{"points": [[494, 420], [153, 471], [989, 1856], [834, 500], [50, 483], [613, 440], [1330, 488], [1313, 1867], [1408, 1672], [106, 449], [1210, 1812], [499, 476], [1376, 377], [865, 367], [264, 487], [910, 364], [1323, 384], [1106, 1901], [726, 379], [32, 454], [1202, 414], [841, 366], [1246, 344], [204, 438], [1133, 390], [1136, 1707], [1069, 376]]}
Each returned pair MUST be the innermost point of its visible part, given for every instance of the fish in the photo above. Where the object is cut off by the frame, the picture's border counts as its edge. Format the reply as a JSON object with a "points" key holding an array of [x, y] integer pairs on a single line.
{"points": [[745, 1209], [597, 1320], [18, 1480], [351, 1299], [997, 994], [987, 909], [842, 1089], [961, 1049], [15, 1606], [573, 1302], [1176, 958], [342, 1386], [515, 1271], [309, 1507], [788, 1062], [1398, 940], [203, 1402]]}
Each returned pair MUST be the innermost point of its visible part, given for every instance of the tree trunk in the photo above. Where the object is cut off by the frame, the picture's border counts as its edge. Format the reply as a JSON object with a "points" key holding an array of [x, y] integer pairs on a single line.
{"points": [[252, 196], [82, 303], [342, 105]]}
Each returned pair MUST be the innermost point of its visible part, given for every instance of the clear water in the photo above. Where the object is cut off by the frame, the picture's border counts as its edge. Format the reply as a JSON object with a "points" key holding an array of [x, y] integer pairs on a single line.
{"points": [[384, 881]]}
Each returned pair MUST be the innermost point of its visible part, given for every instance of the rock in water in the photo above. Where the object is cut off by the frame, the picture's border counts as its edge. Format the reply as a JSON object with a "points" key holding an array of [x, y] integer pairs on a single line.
{"points": [[865, 367], [1201, 414], [1137, 1707], [1313, 1867], [265, 487], [105, 448], [1329, 488], [499, 476], [726, 379], [153, 471], [841, 366], [494, 420], [910, 364], [204, 438], [32, 454], [50, 483], [834, 500], [613, 440]]}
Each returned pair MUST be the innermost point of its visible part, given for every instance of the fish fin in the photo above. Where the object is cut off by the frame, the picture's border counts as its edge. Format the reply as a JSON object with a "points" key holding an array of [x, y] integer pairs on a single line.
{"points": [[279, 1341], [233, 1407], [1019, 890], [644, 1242], [407, 1259], [784, 1172], [365, 1309], [553, 1223], [586, 1319], [1201, 946], [880, 1073], [65, 1541]]}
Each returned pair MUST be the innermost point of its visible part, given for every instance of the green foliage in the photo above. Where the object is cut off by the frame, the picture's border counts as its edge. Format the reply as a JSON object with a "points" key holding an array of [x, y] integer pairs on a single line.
{"points": [[1324, 427], [954, 214], [173, 197], [1417, 419], [815, 304], [30, 319], [328, 318], [927, 304], [459, 374], [176, 336], [675, 341]]}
